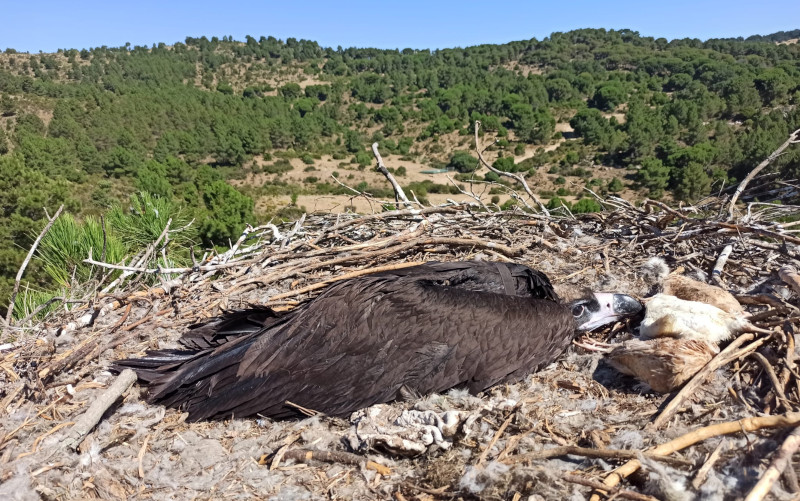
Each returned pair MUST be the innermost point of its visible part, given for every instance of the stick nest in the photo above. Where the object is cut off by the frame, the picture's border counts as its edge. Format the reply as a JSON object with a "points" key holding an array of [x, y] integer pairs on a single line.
{"points": [[565, 428]]}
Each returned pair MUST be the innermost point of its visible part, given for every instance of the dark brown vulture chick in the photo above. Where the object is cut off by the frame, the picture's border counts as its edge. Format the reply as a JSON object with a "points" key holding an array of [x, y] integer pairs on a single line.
{"points": [[367, 340]]}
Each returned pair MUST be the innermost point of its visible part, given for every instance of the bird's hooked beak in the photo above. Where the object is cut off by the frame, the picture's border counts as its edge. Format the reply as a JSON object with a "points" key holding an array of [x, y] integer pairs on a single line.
{"points": [[603, 308]]}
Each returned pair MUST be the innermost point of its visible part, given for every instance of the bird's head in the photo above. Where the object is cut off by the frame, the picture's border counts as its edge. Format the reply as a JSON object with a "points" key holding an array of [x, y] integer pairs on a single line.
{"points": [[600, 308]]}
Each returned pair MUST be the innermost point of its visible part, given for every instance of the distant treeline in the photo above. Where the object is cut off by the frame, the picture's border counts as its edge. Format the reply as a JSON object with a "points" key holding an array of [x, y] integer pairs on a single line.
{"points": [[89, 128]]}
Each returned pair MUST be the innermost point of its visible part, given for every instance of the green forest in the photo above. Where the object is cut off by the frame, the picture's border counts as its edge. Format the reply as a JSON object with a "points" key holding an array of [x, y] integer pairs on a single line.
{"points": [[128, 137]]}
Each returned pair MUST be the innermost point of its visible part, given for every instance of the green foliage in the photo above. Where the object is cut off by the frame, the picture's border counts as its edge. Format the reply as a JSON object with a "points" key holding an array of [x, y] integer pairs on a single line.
{"points": [[225, 88], [7, 106], [177, 120], [654, 176], [608, 96], [291, 91], [556, 203], [585, 205], [28, 300], [693, 182], [615, 185], [462, 161], [152, 178], [146, 219], [69, 242], [278, 167], [227, 213], [505, 164], [594, 128]]}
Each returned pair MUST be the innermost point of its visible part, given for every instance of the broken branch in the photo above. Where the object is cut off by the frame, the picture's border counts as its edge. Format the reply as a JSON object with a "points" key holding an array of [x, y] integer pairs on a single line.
{"points": [[94, 414]]}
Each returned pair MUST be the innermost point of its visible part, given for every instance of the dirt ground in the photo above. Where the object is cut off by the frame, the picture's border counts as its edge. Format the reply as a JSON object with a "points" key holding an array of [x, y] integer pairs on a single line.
{"points": [[350, 175]]}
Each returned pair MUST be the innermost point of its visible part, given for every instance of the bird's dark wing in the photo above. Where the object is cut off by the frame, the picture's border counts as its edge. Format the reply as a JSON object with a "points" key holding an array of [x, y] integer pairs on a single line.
{"points": [[486, 276], [361, 342], [228, 326]]}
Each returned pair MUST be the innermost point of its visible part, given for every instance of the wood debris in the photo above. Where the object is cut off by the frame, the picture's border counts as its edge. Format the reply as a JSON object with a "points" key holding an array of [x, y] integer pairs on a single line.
{"points": [[561, 425]]}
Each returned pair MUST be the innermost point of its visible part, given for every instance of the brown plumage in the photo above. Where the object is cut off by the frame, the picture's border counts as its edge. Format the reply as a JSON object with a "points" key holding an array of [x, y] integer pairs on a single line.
{"points": [[663, 363], [368, 340], [689, 289]]}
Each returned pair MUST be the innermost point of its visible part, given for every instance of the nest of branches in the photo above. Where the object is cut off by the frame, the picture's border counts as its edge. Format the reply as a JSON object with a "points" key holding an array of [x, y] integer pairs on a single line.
{"points": [[71, 429]]}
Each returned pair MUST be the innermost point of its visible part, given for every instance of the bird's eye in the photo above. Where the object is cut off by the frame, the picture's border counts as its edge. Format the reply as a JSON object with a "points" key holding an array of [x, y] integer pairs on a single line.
{"points": [[577, 310]]}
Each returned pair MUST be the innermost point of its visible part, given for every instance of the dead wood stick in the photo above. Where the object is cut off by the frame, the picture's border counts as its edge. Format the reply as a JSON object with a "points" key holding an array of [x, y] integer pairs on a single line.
{"points": [[89, 317], [596, 484], [346, 276], [15, 290], [759, 168], [573, 450], [776, 384], [702, 473], [142, 452], [722, 359], [716, 273], [496, 437], [399, 195], [329, 232], [700, 434], [740, 228], [91, 348], [306, 455], [782, 459], [92, 416], [395, 249], [790, 276], [516, 177]]}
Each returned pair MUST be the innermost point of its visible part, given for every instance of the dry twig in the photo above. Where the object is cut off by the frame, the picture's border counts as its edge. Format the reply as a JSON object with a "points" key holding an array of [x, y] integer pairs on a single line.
{"points": [[516, 177], [782, 459], [24, 265], [693, 437], [722, 359], [792, 139], [306, 455]]}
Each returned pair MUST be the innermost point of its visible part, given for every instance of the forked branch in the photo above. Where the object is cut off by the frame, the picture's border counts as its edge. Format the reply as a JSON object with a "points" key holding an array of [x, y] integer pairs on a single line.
{"points": [[792, 139], [399, 195], [516, 177]]}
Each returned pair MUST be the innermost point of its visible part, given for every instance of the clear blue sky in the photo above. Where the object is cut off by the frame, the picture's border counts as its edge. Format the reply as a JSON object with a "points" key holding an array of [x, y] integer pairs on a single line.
{"points": [[49, 25]]}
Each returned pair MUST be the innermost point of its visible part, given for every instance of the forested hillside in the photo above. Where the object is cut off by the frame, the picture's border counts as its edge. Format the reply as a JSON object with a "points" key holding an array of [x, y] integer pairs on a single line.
{"points": [[225, 132]]}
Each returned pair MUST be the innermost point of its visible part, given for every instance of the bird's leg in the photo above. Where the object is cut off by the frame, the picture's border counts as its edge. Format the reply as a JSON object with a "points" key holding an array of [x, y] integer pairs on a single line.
{"points": [[590, 344]]}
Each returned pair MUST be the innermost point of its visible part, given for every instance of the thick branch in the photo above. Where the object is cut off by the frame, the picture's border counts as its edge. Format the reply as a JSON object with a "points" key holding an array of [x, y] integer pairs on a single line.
{"points": [[516, 177], [399, 195], [94, 414], [759, 168]]}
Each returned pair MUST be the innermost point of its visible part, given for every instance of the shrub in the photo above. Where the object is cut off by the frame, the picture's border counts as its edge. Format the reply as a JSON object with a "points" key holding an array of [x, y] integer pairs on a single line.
{"points": [[462, 161], [585, 205]]}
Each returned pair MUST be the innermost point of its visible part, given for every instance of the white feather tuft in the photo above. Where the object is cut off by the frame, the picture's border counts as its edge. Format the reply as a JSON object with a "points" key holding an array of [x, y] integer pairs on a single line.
{"points": [[655, 270]]}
